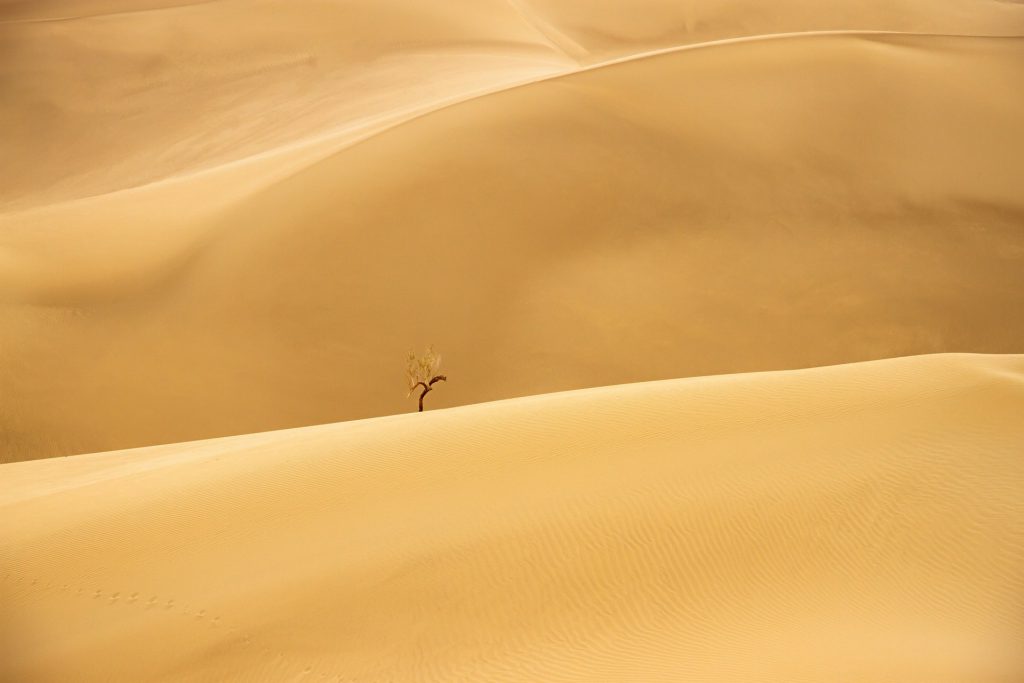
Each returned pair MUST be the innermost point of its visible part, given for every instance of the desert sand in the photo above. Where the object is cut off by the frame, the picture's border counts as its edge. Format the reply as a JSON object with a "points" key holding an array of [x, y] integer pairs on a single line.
{"points": [[851, 523], [212, 232], [729, 297]]}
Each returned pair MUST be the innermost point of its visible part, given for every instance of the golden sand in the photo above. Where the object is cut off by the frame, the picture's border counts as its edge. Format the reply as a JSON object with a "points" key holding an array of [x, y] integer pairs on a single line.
{"points": [[229, 220], [850, 523]]}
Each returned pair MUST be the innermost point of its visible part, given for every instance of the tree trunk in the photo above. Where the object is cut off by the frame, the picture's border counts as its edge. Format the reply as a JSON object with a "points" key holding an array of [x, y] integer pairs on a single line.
{"points": [[428, 387]]}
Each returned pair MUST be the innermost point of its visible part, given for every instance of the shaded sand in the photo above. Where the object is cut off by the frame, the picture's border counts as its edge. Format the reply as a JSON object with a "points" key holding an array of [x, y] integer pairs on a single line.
{"points": [[118, 99], [770, 203], [852, 523], [103, 95], [603, 29]]}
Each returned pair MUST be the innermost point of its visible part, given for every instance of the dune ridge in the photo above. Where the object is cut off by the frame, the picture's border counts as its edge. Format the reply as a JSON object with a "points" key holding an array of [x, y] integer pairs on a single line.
{"points": [[694, 258], [727, 296], [710, 527]]}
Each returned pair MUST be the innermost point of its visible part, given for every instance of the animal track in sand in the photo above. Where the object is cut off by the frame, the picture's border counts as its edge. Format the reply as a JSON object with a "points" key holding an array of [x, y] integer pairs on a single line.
{"points": [[171, 604]]}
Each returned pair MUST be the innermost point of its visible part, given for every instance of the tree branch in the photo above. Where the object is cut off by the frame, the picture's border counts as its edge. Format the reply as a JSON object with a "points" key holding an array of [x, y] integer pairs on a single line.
{"points": [[437, 378]]}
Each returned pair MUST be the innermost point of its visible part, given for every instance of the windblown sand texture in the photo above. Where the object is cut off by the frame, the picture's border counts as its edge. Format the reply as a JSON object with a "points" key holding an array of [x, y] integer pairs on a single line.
{"points": [[234, 216], [853, 523], [224, 222]]}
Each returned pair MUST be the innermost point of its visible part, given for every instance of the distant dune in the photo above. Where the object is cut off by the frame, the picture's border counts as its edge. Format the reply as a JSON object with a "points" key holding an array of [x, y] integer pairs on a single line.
{"points": [[729, 296], [851, 523], [773, 202]]}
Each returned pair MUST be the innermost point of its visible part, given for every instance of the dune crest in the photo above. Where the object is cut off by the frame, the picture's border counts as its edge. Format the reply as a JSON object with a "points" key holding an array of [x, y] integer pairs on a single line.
{"points": [[857, 523], [728, 295], [778, 202]]}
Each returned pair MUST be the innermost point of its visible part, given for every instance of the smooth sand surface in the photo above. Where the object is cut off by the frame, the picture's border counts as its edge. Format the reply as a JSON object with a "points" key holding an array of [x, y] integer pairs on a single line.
{"points": [[852, 523], [234, 217], [112, 100], [765, 203]]}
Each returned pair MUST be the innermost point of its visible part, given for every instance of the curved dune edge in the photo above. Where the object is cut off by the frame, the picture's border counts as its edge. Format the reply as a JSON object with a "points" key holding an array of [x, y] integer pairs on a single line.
{"points": [[337, 142], [264, 168], [857, 522], [124, 99], [396, 34], [784, 218]]}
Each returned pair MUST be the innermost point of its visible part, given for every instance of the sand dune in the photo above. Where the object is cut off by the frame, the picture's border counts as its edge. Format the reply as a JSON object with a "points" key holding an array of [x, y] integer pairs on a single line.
{"points": [[113, 100], [769, 203], [604, 30], [103, 95], [232, 218], [852, 523]]}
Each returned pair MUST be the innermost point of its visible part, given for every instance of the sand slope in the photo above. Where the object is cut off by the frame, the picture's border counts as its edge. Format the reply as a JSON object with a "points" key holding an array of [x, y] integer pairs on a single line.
{"points": [[851, 523], [603, 29], [104, 95], [771, 203], [112, 100]]}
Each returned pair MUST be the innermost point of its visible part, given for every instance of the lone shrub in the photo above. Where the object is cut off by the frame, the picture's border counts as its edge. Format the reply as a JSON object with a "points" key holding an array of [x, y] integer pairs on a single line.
{"points": [[420, 371]]}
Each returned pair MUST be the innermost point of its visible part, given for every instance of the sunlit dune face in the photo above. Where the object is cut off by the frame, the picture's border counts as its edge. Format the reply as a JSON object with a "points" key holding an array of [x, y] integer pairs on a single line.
{"points": [[709, 528], [768, 203], [727, 294]]}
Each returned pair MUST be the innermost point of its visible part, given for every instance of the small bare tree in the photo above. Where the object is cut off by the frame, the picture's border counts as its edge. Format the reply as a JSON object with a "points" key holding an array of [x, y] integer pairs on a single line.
{"points": [[421, 371]]}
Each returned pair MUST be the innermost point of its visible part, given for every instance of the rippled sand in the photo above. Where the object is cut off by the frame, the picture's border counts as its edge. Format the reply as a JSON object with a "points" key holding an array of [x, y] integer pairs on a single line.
{"points": [[229, 220]]}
